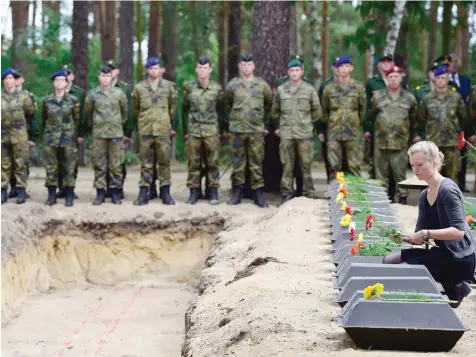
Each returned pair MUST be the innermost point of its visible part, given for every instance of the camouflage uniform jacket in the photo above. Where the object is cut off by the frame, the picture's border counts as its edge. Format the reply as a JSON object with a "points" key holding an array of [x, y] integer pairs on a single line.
{"points": [[60, 120], [106, 112], [80, 96], [33, 124], [202, 109], [394, 119], [248, 105], [129, 126], [321, 127], [155, 109], [343, 110], [442, 117], [16, 107], [296, 110]]}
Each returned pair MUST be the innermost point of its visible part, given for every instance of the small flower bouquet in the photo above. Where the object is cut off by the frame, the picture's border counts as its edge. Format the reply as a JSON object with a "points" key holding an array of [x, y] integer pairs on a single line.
{"points": [[471, 222], [462, 142], [377, 291]]}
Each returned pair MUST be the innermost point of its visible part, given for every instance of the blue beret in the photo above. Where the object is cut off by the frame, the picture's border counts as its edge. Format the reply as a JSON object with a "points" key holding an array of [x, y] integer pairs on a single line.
{"points": [[246, 58], [106, 69], [152, 61], [343, 60], [60, 73], [203, 60], [441, 69], [9, 71]]}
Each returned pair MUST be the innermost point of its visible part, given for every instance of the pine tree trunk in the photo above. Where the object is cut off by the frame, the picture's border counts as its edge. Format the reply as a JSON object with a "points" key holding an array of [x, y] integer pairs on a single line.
{"points": [[293, 30], [33, 26], [324, 46], [169, 40], [234, 35], [79, 43], [462, 35], [395, 23], [299, 44], [271, 20], [371, 61], [20, 12], [447, 17], [108, 31], [433, 32], [139, 37], [154, 28], [221, 43], [316, 29], [126, 39]]}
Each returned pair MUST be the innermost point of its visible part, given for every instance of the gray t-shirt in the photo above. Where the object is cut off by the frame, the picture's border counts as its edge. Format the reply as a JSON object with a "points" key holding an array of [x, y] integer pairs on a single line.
{"points": [[450, 207]]}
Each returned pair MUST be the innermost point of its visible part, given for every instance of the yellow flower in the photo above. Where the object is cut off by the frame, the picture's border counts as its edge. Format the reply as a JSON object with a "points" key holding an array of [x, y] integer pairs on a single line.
{"points": [[373, 290], [341, 181], [346, 220], [339, 197], [344, 206], [360, 238], [339, 175]]}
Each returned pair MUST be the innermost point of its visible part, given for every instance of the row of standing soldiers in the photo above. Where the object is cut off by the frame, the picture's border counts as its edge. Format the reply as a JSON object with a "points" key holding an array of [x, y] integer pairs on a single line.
{"points": [[245, 112]]}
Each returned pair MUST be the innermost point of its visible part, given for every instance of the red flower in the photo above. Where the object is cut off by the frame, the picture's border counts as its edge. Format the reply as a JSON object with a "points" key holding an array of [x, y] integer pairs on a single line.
{"points": [[352, 234], [369, 222], [348, 210], [343, 190], [461, 141], [470, 219], [356, 247]]}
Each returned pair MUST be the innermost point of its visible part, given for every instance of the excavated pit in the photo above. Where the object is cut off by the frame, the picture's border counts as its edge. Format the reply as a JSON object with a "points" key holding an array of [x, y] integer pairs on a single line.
{"points": [[103, 289]]}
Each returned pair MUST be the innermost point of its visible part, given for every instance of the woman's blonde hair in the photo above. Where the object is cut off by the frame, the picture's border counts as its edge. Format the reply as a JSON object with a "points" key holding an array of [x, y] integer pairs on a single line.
{"points": [[429, 150]]}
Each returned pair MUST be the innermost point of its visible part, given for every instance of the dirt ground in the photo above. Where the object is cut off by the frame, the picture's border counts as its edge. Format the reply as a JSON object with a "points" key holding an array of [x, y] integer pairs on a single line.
{"points": [[265, 290]]}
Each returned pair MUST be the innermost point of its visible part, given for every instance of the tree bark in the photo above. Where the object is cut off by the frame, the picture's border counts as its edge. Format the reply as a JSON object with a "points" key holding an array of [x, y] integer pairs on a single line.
{"points": [[395, 23], [108, 30], [316, 30], [433, 32], [293, 30], [154, 28], [20, 12], [271, 36], [299, 45], [33, 26], [126, 38], [447, 16], [139, 36], [79, 43], [222, 43], [462, 35], [324, 46], [234, 28], [169, 40]]}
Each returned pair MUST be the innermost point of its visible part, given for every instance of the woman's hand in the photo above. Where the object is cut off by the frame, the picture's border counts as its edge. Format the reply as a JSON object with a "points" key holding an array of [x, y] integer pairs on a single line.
{"points": [[417, 238]]}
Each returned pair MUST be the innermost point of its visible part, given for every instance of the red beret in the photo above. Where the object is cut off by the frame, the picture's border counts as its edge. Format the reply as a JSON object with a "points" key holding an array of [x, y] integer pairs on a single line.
{"points": [[394, 69]]}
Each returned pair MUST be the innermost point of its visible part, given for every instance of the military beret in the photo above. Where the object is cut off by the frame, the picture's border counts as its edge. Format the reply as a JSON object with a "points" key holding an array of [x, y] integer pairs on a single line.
{"points": [[203, 60], [294, 63], [105, 68], [152, 61], [388, 56], [298, 58], [246, 58], [433, 66], [343, 60], [441, 69], [112, 64], [59, 73], [444, 59], [9, 71], [68, 68], [394, 69]]}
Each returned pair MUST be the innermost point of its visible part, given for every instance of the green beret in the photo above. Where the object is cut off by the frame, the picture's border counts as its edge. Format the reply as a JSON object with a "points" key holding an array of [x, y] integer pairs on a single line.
{"points": [[68, 68], [298, 58], [112, 64], [294, 63]]}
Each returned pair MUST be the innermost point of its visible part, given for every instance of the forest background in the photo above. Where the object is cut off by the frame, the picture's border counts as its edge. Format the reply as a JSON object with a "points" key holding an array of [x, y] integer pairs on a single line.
{"points": [[39, 36]]}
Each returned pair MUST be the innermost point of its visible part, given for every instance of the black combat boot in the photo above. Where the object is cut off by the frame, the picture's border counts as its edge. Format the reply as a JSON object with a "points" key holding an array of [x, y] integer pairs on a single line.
{"points": [[121, 193], [21, 198], [142, 199], [284, 199], [153, 192], [116, 196], [13, 192], [51, 200], [69, 196], [214, 196], [259, 198], [194, 196], [61, 193], [4, 196], [108, 193], [166, 198], [100, 197], [237, 193], [403, 201]]}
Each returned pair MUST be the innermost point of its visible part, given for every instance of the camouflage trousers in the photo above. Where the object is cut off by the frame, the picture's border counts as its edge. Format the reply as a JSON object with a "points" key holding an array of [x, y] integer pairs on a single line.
{"points": [[67, 158], [211, 147], [251, 146], [107, 154], [152, 147], [304, 150], [452, 162], [15, 158], [395, 161], [352, 150]]}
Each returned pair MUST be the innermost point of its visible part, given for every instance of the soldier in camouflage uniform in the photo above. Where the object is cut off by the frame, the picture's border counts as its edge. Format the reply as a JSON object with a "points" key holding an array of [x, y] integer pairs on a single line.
{"points": [[442, 115], [248, 101], [106, 115], [155, 106], [16, 106], [34, 130], [202, 107], [60, 117], [393, 114], [128, 127], [343, 106], [296, 109], [80, 95]]}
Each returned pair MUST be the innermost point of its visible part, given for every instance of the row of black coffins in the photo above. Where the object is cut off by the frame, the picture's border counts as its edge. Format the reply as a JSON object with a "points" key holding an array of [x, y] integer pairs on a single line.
{"points": [[384, 307]]}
